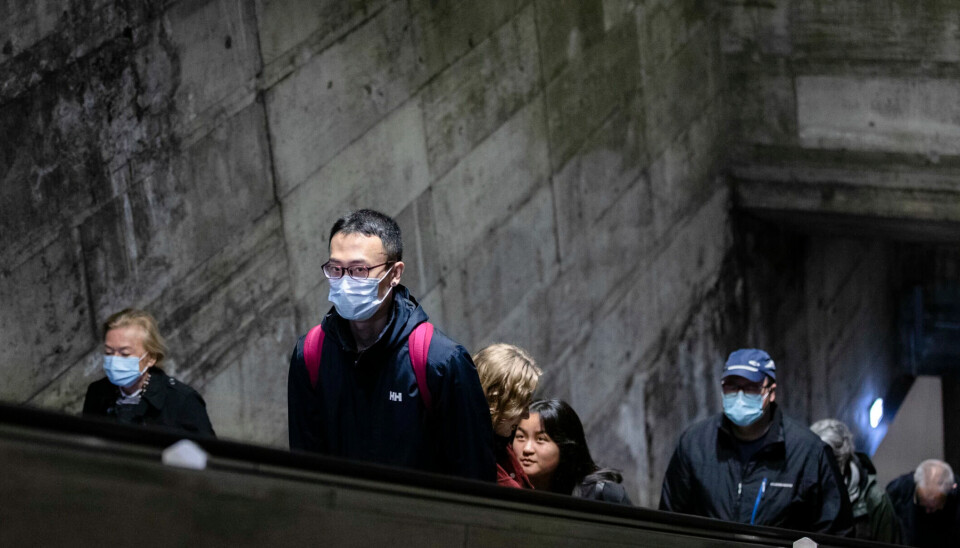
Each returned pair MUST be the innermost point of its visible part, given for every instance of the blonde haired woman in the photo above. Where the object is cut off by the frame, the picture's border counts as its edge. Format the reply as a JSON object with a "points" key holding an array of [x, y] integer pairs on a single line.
{"points": [[136, 390], [509, 377]]}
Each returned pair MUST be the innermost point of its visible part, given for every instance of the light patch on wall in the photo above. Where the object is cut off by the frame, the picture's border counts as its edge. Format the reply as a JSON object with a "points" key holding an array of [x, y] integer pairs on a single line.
{"points": [[893, 114], [876, 413]]}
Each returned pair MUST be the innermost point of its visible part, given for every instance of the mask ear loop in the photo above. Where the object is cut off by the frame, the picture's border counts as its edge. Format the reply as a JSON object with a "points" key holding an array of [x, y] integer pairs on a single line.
{"points": [[140, 359], [393, 283]]}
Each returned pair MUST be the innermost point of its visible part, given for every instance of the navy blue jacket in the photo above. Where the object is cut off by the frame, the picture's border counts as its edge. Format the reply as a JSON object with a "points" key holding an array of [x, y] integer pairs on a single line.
{"points": [[367, 405], [804, 490]]}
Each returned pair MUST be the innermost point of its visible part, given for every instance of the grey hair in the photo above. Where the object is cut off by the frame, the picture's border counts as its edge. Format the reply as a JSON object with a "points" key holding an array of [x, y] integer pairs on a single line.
{"points": [[836, 434], [936, 472]]}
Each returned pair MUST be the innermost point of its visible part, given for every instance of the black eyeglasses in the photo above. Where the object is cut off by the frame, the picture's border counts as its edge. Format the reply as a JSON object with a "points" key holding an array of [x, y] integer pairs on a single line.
{"points": [[753, 388], [357, 272]]}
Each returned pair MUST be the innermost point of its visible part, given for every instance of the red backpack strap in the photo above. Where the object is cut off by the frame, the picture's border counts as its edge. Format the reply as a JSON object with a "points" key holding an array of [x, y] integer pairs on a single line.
{"points": [[312, 346], [419, 344]]}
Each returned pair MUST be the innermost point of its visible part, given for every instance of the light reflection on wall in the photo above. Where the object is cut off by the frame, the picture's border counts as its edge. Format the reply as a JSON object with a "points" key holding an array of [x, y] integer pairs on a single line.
{"points": [[868, 427]]}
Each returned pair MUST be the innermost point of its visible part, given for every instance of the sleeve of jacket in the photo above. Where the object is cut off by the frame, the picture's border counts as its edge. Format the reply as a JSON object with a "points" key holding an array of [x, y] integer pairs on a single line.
{"points": [[91, 402], [303, 407], [615, 493], [835, 515], [463, 417], [675, 495], [884, 525], [192, 415]]}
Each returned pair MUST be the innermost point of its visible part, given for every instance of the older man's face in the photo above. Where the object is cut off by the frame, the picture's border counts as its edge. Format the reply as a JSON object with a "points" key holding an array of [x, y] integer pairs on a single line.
{"points": [[931, 499]]}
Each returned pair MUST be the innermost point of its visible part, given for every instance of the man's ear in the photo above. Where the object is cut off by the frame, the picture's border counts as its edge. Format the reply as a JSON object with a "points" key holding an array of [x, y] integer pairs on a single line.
{"points": [[396, 273], [773, 391]]}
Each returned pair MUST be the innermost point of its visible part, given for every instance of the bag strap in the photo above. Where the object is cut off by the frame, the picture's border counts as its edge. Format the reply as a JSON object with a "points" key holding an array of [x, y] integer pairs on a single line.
{"points": [[419, 345], [312, 347]]}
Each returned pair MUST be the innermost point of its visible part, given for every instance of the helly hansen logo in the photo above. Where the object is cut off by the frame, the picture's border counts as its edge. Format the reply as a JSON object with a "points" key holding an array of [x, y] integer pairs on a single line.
{"points": [[396, 396]]}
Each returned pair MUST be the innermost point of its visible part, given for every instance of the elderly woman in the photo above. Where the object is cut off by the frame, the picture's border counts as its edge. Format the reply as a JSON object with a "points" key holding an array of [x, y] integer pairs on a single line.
{"points": [[508, 376], [136, 390], [873, 514], [553, 452]]}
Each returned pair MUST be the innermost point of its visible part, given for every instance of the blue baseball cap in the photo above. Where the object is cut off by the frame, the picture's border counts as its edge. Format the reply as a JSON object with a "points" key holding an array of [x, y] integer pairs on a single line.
{"points": [[750, 363]]}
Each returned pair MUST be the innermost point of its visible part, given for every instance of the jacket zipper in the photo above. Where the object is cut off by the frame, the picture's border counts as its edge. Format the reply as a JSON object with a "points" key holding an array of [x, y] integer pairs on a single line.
{"points": [[756, 504]]}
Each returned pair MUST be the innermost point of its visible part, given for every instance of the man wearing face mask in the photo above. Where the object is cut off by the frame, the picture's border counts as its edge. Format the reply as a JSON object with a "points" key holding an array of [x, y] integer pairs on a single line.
{"points": [[136, 390], [355, 393], [751, 464]]}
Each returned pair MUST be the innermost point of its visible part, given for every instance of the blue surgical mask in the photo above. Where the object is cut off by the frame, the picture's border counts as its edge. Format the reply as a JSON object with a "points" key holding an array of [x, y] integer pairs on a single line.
{"points": [[122, 371], [357, 299], [743, 409]]}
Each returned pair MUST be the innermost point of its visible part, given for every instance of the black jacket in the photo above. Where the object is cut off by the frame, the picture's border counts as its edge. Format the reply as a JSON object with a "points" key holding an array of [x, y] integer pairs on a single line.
{"points": [[353, 412], [166, 402], [917, 527], [804, 489], [603, 487]]}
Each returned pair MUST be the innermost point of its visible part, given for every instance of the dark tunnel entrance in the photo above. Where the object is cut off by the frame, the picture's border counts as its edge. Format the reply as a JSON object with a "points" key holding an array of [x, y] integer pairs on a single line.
{"points": [[856, 316]]}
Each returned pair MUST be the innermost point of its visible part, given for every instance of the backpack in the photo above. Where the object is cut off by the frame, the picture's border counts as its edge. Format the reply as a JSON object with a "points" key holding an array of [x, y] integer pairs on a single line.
{"points": [[418, 343]]}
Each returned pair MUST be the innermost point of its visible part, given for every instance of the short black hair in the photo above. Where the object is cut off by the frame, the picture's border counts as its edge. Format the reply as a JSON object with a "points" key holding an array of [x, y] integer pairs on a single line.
{"points": [[371, 223]]}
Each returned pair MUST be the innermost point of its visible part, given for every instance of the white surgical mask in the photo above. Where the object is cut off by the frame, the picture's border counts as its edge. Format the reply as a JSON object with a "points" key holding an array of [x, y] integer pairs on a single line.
{"points": [[743, 409], [357, 299], [122, 370]]}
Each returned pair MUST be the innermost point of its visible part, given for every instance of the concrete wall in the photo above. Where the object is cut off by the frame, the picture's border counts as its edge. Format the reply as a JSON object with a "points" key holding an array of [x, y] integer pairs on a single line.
{"points": [[848, 107], [917, 432], [554, 167]]}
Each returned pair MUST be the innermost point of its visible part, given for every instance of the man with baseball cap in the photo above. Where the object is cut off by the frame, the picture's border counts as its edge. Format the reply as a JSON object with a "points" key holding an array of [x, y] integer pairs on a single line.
{"points": [[751, 464]]}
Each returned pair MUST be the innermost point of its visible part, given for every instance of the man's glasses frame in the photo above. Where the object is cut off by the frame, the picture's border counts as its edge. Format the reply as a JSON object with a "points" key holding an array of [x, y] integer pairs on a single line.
{"points": [[357, 272], [752, 389]]}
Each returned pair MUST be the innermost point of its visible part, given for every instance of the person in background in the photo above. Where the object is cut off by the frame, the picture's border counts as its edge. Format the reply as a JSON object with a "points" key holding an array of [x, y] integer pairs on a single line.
{"points": [[509, 377], [926, 501], [553, 452], [136, 390], [751, 464], [372, 389], [873, 515]]}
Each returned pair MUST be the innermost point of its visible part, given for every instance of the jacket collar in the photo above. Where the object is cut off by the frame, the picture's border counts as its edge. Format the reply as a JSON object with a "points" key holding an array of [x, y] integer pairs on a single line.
{"points": [[155, 393]]}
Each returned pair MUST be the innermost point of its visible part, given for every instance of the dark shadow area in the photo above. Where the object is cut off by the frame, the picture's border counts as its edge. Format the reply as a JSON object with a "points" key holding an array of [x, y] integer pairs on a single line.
{"points": [[853, 316]]}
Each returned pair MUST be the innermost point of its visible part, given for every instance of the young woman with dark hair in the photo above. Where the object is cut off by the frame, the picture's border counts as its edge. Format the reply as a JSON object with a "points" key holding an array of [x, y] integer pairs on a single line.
{"points": [[553, 452]]}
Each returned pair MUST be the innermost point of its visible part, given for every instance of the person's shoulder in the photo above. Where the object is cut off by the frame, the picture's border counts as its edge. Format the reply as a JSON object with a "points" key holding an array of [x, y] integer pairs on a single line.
{"points": [[876, 496], [901, 491], [698, 437], [176, 386], [614, 492], [605, 490], [100, 394], [902, 483], [797, 434], [100, 386], [446, 351], [705, 426]]}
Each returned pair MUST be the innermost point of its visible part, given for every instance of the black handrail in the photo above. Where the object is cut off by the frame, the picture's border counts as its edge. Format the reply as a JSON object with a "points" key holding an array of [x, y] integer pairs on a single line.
{"points": [[294, 461]]}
